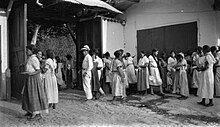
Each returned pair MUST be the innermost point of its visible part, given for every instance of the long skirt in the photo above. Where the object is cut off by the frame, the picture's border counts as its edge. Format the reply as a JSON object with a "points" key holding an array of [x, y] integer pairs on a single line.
{"points": [[217, 82], [195, 79], [164, 76], [131, 74], [181, 83], [95, 81], [51, 87], [206, 88], [143, 79], [34, 98], [157, 81], [118, 87]]}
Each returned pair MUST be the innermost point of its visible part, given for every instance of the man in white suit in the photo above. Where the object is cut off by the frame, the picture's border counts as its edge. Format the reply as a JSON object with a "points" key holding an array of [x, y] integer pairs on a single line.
{"points": [[87, 66]]}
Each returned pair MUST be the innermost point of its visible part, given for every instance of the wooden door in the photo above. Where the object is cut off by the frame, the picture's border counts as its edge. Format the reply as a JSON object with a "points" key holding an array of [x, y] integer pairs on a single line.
{"points": [[181, 38], [17, 44]]}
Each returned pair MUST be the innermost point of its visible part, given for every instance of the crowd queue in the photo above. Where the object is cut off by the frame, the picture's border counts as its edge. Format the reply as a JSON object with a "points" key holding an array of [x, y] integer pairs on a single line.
{"points": [[181, 74]]}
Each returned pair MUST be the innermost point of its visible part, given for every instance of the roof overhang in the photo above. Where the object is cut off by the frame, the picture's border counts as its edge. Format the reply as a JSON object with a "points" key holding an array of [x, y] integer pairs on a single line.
{"points": [[123, 5], [63, 11]]}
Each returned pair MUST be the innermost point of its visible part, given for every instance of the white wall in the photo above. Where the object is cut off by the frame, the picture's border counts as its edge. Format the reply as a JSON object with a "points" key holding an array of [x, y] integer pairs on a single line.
{"points": [[113, 36], [4, 40], [4, 52], [155, 13]]}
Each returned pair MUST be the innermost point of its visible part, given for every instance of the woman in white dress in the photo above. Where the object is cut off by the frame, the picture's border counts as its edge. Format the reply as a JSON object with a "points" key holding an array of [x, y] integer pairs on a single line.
{"points": [[132, 79], [171, 71], [58, 73], [50, 79], [143, 74], [118, 86], [206, 88], [155, 79], [181, 80]]}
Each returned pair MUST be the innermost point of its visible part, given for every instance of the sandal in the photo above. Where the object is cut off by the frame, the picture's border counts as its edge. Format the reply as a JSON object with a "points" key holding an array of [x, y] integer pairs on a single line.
{"points": [[34, 117]]}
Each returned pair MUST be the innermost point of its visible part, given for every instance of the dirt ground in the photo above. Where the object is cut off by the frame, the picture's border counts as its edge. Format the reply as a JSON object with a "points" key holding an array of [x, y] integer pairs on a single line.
{"points": [[148, 110]]}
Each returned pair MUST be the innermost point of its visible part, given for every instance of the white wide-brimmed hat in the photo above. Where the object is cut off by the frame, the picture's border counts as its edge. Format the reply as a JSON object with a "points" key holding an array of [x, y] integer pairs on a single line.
{"points": [[181, 54], [85, 47]]}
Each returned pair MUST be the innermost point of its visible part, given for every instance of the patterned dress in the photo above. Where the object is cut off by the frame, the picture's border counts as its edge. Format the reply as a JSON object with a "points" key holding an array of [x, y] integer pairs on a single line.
{"points": [[171, 70], [217, 75], [51, 81], [195, 77], [33, 94], [181, 81]]}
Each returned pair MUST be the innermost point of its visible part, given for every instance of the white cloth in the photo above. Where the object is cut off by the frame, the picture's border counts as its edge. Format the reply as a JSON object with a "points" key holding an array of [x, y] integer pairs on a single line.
{"points": [[87, 66], [171, 62], [154, 71], [100, 65], [143, 74], [130, 71], [217, 57], [59, 75], [118, 87], [51, 81], [33, 64], [206, 89]]}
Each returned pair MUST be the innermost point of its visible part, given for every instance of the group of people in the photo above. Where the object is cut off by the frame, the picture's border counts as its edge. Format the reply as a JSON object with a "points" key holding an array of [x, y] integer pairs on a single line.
{"points": [[119, 74], [177, 74], [40, 91]]}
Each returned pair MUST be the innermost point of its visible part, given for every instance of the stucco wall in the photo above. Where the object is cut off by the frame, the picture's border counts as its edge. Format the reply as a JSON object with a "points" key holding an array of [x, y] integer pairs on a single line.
{"points": [[155, 13], [113, 36], [4, 40]]}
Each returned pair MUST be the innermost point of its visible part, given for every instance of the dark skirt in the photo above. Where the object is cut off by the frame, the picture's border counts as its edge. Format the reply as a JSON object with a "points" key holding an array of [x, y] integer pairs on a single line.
{"points": [[143, 82], [34, 96], [95, 81]]}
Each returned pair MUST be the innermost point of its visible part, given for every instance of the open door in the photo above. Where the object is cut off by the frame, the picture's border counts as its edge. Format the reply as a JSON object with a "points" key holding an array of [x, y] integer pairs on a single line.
{"points": [[17, 44]]}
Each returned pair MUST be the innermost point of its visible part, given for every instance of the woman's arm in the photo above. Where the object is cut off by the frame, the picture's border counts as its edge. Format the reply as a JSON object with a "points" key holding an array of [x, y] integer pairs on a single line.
{"points": [[34, 73]]}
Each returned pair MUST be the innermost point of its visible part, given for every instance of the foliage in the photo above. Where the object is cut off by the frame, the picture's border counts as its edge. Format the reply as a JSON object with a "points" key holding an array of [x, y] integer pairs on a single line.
{"points": [[56, 38]]}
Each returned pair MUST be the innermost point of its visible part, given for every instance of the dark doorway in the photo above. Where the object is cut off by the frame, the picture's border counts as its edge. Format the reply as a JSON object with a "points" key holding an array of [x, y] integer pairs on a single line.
{"points": [[180, 37], [88, 33]]}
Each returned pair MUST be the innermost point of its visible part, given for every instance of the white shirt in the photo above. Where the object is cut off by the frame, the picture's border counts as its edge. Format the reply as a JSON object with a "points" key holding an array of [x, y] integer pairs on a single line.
{"points": [[171, 62], [143, 61], [33, 64], [100, 63], [87, 63], [217, 57], [153, 62]]}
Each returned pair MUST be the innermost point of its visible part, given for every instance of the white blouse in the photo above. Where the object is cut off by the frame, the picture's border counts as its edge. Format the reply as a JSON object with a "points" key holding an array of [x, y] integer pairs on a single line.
{"points": [[33, 64]]}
